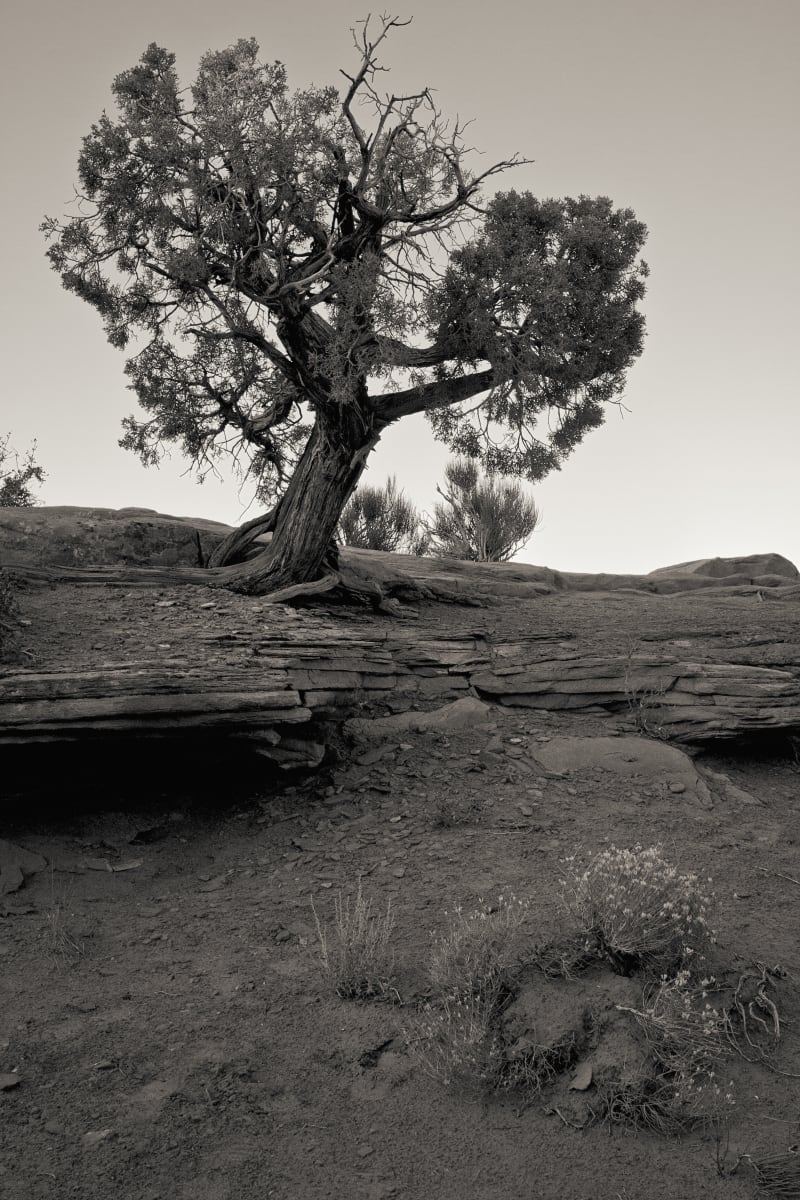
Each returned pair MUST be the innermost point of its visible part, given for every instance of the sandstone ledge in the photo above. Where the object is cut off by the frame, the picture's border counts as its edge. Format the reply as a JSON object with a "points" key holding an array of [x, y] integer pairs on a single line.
{"points": [[300, 681]]}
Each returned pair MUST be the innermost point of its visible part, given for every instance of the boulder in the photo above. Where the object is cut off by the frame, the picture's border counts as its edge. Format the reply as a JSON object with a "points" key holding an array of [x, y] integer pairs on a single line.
{"points": [[749, 568], [16, 863], [627, 756], [70, 536]]}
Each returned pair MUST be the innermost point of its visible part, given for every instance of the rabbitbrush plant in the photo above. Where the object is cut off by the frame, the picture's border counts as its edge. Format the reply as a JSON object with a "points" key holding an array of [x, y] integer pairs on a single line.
{"points": [[483, 518], [380, 519]]}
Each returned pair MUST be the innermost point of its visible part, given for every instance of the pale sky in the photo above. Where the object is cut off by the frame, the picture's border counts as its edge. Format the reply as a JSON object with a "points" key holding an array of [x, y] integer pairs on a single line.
{"points": [[684, 110]]}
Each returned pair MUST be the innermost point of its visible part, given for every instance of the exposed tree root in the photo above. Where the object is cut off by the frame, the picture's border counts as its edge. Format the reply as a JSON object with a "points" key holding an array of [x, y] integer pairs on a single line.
{"points": [[347, 585], [315, 588]]}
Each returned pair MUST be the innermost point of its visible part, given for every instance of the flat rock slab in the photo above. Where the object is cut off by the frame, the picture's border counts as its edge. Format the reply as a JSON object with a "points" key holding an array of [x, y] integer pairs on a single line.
{"points": [[69, 536], [626, 756], [15, 864]]}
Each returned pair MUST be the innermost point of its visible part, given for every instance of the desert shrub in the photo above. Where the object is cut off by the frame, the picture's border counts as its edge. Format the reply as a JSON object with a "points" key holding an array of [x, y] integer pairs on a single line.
{"points": [[479, 949], [460, 1037], [483, 518], [16, 475], [677, 1088], [457, 1036], [460, 1040], [356, 953], [381, 519], [457, 1041], [669, 1099], [679, 1021], [639, 911]]}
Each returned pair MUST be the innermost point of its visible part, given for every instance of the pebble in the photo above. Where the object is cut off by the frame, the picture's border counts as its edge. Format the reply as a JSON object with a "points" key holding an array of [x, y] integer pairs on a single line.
{"points": [[95, 1136]]}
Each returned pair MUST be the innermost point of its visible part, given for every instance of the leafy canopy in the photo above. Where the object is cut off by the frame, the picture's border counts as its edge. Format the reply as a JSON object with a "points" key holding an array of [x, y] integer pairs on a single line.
{"points": [[272, 259]]}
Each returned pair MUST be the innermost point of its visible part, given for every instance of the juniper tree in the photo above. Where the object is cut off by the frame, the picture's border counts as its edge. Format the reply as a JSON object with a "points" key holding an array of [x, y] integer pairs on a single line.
{"points": [[292, 272]]}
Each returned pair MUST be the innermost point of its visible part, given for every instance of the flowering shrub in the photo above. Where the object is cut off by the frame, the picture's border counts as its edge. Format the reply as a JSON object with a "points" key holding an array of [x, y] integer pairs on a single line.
{"points": [[682, 1090], [639, 910], [478, 947], [678, 1018], [458, 1038], [457, 1041]]}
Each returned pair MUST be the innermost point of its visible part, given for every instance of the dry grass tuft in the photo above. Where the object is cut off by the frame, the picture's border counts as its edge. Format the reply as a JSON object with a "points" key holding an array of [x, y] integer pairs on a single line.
{"points": [[357, 954], [60, 942], [778, 1174]]}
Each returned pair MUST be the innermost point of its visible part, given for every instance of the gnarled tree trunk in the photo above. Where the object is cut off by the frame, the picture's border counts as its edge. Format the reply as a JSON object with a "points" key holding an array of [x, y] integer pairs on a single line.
{"points": [[307, 515]]}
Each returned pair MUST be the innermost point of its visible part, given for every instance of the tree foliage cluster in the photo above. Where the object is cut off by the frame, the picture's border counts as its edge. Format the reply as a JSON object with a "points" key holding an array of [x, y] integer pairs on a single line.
{"points": [[291, 272]]}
